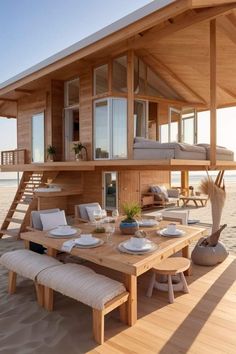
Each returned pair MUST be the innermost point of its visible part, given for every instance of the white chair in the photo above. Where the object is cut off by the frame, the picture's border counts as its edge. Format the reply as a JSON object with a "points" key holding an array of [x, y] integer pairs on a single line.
{"points": [[176, 215], [81, 211]]}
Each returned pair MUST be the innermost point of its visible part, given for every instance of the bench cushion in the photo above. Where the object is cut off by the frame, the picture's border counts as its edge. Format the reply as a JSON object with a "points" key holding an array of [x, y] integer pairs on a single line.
{"points": [[27, 263], [82, 284]]}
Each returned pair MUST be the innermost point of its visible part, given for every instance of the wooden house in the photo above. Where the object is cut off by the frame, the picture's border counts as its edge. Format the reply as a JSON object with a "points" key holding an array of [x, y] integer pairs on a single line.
{"points": [[146, 76]]}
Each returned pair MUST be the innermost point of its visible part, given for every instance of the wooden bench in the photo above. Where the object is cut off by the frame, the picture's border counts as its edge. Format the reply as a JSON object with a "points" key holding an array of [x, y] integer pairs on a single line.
{"points": [[27, 264], [83, 284]]}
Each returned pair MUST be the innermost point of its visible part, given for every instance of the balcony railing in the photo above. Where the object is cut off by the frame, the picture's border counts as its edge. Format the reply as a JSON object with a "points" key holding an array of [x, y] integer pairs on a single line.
{"points": [[13, 157]]}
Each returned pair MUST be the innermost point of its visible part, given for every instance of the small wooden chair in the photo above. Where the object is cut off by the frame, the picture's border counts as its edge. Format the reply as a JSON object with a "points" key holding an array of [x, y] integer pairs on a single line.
{"points": [[170, 266]]}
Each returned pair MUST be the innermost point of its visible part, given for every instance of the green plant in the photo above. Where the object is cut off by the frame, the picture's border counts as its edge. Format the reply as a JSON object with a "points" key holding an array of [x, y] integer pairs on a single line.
{"points": [[131, 210], [78, 147], [51, 150]]}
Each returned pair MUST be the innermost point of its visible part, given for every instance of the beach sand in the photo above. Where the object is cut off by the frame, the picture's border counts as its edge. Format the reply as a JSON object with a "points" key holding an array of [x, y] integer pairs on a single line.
{"points": [[25, 328]]}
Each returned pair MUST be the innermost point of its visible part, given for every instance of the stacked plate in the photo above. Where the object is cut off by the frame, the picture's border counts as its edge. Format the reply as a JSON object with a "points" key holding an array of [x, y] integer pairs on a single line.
{"points": [[148, 223], [88, 241], [130, 247], [63, 232], [176, 233]]}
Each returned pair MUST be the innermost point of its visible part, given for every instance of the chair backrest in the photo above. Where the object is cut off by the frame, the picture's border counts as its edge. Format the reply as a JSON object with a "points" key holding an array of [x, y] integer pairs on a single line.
{"points": [[36, 222], [81, 212], [180, 216]]}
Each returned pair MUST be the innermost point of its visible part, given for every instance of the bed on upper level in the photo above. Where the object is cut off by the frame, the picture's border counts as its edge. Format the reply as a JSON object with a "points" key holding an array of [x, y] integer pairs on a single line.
{"points": [[145, 149]]}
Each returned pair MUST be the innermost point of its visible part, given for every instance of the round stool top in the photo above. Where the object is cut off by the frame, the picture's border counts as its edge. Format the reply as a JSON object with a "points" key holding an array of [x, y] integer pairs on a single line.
{"points": [[172, 265]]}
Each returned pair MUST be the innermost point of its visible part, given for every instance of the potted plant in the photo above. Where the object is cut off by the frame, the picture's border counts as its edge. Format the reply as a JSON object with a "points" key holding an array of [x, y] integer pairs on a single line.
{"points": [[129, 225], [51, 152], [78, 148]]}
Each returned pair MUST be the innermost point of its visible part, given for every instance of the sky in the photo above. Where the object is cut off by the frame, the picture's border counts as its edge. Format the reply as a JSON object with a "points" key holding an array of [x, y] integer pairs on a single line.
{"points": [[31, 31]]}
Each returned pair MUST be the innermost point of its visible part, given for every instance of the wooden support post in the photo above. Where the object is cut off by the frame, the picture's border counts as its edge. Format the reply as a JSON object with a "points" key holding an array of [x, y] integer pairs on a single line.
{"points": [[98, 326], [131, 287], [130, 86], [48, 299], [213, 99], [185, 182], [11, 282]]}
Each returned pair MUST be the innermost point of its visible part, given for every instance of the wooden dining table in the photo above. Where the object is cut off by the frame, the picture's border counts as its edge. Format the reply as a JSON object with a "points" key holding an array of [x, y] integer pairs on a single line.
{"points": [[130, 265]]}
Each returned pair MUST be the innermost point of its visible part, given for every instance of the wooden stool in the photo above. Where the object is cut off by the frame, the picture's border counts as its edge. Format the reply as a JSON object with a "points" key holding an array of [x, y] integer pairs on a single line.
{"points": [[170, 266]]}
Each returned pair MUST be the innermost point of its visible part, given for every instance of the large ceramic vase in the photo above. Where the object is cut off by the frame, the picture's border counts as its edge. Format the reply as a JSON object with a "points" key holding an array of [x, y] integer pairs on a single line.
{"points": [[209, 256], [129, 228]]}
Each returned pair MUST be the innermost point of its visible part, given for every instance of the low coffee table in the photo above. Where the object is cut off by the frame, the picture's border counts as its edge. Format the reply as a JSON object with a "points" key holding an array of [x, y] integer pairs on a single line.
{"points": [[202, 199]]}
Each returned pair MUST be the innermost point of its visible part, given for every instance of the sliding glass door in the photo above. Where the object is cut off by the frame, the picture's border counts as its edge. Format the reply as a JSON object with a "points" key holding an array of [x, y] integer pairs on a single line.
{"points": [[37, 134]]}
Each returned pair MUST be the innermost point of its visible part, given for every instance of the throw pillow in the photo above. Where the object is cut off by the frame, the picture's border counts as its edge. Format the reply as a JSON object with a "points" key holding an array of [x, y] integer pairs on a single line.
{"points": [[90, 210], [52, 220]]}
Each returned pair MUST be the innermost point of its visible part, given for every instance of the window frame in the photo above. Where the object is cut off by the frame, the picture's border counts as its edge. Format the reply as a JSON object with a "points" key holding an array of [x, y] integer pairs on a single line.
{"points": [[66, 93], [109, 101]]}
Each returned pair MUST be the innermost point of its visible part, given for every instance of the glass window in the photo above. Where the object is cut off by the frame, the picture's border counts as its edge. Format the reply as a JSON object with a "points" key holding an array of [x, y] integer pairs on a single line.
{"points": [[140, 124], [72, 93], [72, 130], [188, 130], [101, 130], [110, 190], [38, 137], [110, 128], [140, 70], [119, 128], [101, 79], [119, 74], [164, 133], [174, 132]]}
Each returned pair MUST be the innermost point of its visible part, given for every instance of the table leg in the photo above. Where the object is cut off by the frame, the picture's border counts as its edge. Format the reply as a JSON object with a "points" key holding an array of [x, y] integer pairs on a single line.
{"points": [[131, 286], [51, 252], [195, 202], [186, 254]]}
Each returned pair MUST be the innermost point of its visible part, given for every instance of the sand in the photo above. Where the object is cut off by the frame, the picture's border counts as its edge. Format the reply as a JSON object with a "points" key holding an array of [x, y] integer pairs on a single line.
{"points": [[25, 328]]}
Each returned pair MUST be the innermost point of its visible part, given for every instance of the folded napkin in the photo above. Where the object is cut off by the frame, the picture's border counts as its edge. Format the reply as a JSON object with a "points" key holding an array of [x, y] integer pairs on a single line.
{"points": [[68, 245]]}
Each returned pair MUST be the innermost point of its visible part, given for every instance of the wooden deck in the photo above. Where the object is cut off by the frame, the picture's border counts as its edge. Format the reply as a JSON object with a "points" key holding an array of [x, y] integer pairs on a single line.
{"points": [[162, 165], [203, 321]]}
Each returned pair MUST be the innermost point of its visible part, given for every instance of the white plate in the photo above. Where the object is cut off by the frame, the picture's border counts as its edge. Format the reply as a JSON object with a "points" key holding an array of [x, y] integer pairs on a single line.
{"points": [[90, 242], [63, 233], [148, 223], [177, 233], [130, 247]]}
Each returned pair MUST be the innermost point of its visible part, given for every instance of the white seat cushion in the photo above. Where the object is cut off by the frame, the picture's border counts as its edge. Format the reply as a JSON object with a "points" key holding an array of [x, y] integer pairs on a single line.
{"points": [[27, 263], [52, 220], [82, 284], [90, 210]]}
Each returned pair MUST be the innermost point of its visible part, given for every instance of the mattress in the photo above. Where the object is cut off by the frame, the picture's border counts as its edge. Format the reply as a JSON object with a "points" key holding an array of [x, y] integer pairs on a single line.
{"points": [[222, 153], [145, 149]]}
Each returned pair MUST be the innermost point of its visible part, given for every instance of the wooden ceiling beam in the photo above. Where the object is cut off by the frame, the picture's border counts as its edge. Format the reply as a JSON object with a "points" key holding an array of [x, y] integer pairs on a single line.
{"points": [[26, 92], [210, 3], [227, 27], [227, 91], [7, 99], [179, 23], [159, 65]]}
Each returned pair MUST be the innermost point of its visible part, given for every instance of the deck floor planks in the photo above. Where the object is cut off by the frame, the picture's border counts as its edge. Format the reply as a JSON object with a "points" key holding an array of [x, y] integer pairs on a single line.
{"points": [[203, 321]]}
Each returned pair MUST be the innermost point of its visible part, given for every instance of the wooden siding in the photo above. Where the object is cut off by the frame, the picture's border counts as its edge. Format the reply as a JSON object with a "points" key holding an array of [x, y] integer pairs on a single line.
{"points": [[28, 106], [57, 104], [86, 110]]}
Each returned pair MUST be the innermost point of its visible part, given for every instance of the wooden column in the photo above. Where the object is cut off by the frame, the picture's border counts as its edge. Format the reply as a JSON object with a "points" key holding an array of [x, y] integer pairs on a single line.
{"points": [[185, 182], [213, 99], [130, 85]]}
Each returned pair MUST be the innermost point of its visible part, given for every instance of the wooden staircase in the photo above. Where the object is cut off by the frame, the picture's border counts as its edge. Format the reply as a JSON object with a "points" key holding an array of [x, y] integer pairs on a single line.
{"points": [[23, 203]]}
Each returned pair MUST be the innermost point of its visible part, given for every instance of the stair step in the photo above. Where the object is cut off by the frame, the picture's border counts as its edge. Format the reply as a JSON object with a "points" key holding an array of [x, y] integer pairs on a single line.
{"points": [[10, 232], [19, 211], [15, 220], [23, 202]]}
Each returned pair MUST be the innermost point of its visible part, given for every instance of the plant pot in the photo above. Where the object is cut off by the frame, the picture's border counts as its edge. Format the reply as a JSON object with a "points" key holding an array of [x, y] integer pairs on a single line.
{"points": [[129, 228], [79, 156], [50, 158]]}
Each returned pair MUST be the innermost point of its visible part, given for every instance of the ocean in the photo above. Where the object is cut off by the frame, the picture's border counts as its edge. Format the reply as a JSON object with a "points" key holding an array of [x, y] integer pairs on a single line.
{"points": [[194, 179]]}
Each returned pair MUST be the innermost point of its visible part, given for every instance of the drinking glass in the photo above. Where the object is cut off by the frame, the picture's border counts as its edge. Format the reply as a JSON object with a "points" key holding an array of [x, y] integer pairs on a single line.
{"points": [[109, 232], [115, 214], [97, 216]]}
